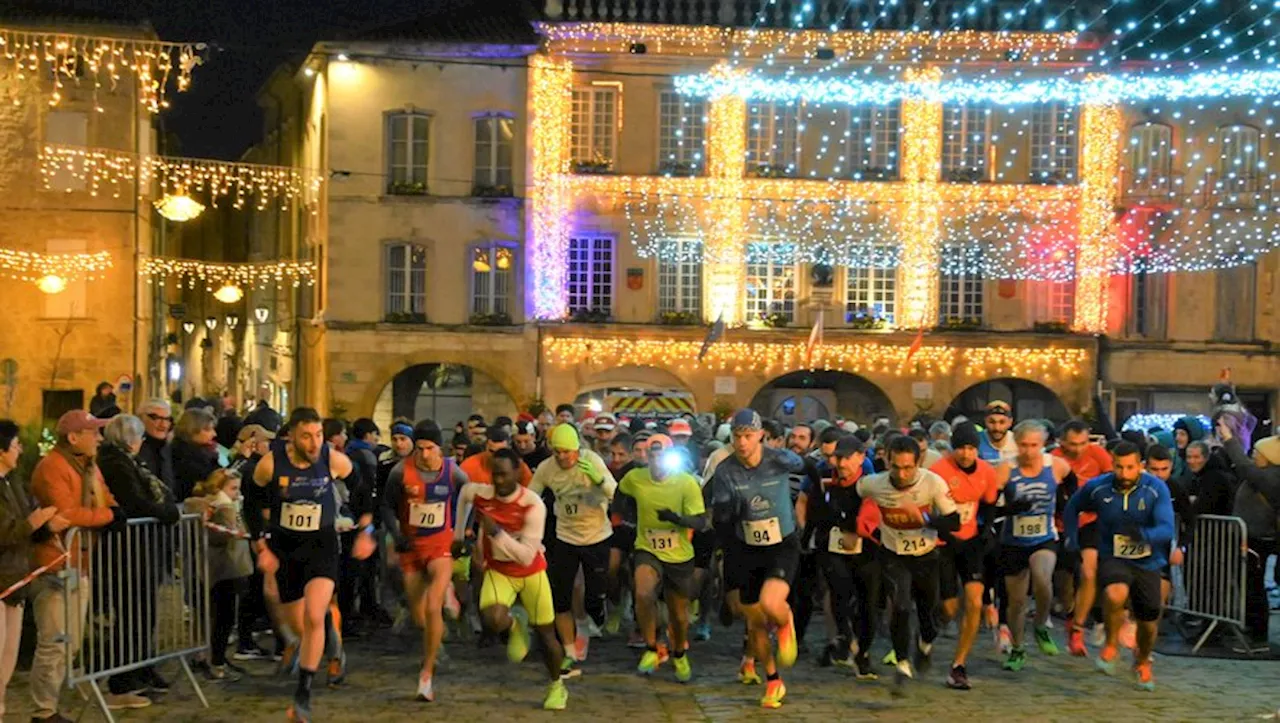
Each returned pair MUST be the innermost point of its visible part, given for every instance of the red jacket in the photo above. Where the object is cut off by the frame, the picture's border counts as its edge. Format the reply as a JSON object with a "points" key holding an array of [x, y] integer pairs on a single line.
{"points": [[56, 481]]}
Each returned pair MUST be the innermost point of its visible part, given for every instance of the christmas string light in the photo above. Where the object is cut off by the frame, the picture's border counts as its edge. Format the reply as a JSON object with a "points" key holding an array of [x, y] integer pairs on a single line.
{"points": [[550, 105], [99, 62], [920, 227], [33, 266], [1101, 128], [103, 171], [1144, 422], [214, 276], [727, 147]]}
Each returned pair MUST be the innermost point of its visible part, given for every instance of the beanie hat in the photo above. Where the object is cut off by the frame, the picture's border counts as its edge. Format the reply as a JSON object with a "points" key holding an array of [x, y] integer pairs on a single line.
{"points": [[428, 431], [1269, 447], [964, 435], [565, 436]]}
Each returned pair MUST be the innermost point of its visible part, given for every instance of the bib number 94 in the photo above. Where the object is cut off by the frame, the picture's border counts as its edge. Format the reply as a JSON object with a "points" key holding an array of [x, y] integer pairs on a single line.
{"points": [[760, 533]]}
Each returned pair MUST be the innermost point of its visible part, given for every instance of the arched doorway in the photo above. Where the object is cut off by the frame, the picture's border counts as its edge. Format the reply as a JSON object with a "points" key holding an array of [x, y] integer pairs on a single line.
{"points": [[1030, 400], [636, 391], [805, 396], [447, 393]]}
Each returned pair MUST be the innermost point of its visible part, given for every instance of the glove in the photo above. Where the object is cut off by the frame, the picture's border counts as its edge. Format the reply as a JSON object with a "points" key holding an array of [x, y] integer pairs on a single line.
{"points": [[119, 521], [1019, 505], [669, 516], [593, 474]]}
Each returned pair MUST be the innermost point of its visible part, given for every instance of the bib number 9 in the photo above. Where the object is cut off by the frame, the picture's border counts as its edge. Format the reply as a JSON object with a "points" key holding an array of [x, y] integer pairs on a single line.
{"points": [[761, 533], [836, 543], [300, 517]]}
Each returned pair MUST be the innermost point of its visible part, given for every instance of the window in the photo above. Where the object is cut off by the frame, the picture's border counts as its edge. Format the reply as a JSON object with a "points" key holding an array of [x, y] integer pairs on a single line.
{"points": [[1147, 304], [593, 128], [771, 281], [966, 142], [1150, 157], [1239, 165], [1234, 303], [1052, 302], [406, 282], [407, 152], [1053, 143], [66, 128], [492, 274], [73, 301], [961, 296], [773, 140], [591, 275], [871, 143], [494, 141], [871, 292], [680, 277], [682, 132]]}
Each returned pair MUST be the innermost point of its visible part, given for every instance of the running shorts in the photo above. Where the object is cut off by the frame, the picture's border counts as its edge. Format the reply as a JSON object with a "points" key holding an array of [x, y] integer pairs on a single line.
{"points": [[960, 563], [676, 577], [747, 567], [1015, 560], [533, 591], [303, 558], [1144, 586]]}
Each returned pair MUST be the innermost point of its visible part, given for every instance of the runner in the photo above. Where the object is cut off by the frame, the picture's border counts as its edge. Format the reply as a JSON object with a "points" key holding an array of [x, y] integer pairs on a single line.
{"points": [[668, 507], [751, 504], [1135, 528], [302, 547], [511, 521], [418, 509], [1029, 541], [582, 487], [996, 445], [972, 482], [915, 506], [1087, 460]]}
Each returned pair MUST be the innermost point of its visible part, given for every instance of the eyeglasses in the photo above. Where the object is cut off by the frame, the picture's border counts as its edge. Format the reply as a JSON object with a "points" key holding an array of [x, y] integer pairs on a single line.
{"points": [[158, 418]]}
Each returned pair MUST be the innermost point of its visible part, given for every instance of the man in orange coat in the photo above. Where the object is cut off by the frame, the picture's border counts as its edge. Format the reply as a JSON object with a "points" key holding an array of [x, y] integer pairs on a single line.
{"points": [[68, 479], [477, 465]]}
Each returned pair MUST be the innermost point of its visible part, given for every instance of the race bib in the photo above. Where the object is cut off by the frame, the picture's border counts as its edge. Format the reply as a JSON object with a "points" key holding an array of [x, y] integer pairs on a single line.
{"points": [[429, 515], [967, 511], [1030, 525], [1127, 548], [915, 542], [837, 545], [762, 532], [300, 516], [660, 540], [570, 509]]}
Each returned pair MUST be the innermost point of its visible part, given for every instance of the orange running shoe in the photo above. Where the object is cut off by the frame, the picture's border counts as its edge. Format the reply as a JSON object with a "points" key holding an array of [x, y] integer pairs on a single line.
{"points": [[774, 692], [1107, 660], [1075, 641], [1146, 680]]}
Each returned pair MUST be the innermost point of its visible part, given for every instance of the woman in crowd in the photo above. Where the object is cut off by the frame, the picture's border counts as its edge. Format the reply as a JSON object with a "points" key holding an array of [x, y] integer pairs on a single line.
{"points": [[195, 453], [230, 564]]}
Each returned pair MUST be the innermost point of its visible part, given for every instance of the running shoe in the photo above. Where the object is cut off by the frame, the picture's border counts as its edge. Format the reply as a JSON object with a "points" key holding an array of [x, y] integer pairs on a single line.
{"points": [[1107, 660], [581, 644], [991, 617], [452, 607], [774, 692], [747, 672], [649, 662], [684, 670], [557, 696], [1017, 659], [338, 670], [518, 639], [890, 659], [589, 625], [1045, 640], [1099, 635], [901, 674], [1146, 681], [569, 668], [787, 646], [1004, 639], [702, 630], [426, 693], [958, 678], [251, 652], [299, 712], [1075, 641], [664, 653], [865, 671], [614, 623], [288, 660], [924, 655]]}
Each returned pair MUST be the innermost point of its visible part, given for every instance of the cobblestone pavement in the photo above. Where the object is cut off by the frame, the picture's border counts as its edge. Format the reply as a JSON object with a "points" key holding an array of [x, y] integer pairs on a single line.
{"points": [[478, 684]]}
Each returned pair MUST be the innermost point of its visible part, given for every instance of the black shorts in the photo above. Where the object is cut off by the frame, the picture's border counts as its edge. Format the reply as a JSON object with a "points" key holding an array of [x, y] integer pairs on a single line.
{"points": [[303, 558], [676, 577], [961, 563], [563, 561], [746, 567], [1088, 536], [1144, 586], [624, 538], [1015, 560], [704, 548]]}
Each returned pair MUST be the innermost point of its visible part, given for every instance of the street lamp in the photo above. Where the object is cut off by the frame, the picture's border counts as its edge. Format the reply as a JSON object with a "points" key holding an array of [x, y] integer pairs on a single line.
{"points": [[229, 293], [179, 207], [233, 321], [211, 323], [262, 313], [188, 326]]}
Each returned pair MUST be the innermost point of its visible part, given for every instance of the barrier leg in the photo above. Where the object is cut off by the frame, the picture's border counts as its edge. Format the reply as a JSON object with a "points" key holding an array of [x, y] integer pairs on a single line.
{"points": [[102, 702], [186, 668], [1207, 632]]}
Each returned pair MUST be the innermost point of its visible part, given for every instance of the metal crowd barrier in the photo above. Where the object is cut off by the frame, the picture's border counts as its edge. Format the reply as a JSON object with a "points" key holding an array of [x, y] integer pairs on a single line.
{"points": [[1214, 575], [144, 593]]}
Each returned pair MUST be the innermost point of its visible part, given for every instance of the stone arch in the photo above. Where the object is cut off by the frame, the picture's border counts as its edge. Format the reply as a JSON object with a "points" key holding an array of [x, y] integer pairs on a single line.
{"points": [[1029, 399], [491, 366], [649, 378], [803, 396]]}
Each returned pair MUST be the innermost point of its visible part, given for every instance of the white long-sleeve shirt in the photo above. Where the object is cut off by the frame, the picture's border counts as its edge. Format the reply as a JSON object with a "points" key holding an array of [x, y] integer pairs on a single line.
{"points": [[582, 506]]}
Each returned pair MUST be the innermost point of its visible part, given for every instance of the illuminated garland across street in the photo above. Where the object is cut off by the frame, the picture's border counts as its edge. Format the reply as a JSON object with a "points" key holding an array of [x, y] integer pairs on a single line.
{"points": [[214, 275], [1119, 88], [32, 265], [768, 358], [110, 171], [98, 63]]}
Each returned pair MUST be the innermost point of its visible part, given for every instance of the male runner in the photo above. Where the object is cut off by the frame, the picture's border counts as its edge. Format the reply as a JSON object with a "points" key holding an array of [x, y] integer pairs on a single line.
{"points": [[582, 487], [972, 482], [1159, 464], [669, 507], [915, 505], [301, 549], [995, 444], [418, 511], [751, 505], [1135, 527], [1029, 541], [511, 521], [1087, 460]]}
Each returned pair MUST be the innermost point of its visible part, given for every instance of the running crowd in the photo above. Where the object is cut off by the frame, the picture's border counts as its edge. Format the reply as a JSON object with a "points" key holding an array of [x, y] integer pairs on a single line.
{"points": [[545, 532]]}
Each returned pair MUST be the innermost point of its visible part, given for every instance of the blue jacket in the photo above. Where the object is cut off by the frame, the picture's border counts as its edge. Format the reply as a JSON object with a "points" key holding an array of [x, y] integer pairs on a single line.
{"points": [[1147, 507]]}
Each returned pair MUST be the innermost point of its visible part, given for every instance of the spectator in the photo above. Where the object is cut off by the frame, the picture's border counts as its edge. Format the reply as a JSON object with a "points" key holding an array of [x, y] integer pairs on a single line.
{"points": [[225, 431], [335, 433], [157, 453], [21, 525], [195, 455], [68, 478], [104, 398], [940, 432], [1258, 504], [230, 565], [360, 577], [1210, 483], [141, 495], [1185, 431], [264, 416], [252, 443]]}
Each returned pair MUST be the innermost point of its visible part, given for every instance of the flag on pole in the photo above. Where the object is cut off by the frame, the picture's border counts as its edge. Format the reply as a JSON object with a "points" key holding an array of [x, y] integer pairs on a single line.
{"points": [[713, 335], [815, 338], [915, 345]]}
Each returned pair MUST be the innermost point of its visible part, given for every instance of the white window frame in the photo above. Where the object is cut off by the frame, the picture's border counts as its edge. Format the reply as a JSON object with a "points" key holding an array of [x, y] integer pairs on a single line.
{"points": [[592, 268], [67, 128], [1240, 157], [966, 140], [593, 124], [873, 288], [872, 139], [1054, 147], [489, 170], [408, 172], [405, 299], [773, 138], [680, 276], [1052, 301], [961, 297], [492, 291], [1150, 157], [682, 133], [771, 284]]}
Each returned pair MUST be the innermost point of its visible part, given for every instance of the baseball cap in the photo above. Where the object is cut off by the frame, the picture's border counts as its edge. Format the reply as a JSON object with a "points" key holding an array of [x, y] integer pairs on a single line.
{"points": [[747, 418], [662, 439], [78, 420], [848, 445], [999, 406], [605, 421], [254, 430], [497, 434], [680, 428], [526, 427]]}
